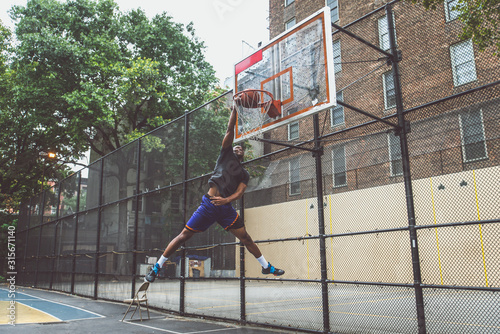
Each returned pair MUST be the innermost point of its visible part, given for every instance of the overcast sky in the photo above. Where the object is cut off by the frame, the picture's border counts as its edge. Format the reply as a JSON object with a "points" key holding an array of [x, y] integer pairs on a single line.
{"points": [[226, 26]]}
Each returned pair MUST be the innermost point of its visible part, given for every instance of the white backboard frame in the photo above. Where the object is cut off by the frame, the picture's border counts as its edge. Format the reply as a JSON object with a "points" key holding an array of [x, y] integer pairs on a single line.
{"points": [[268, 53]]}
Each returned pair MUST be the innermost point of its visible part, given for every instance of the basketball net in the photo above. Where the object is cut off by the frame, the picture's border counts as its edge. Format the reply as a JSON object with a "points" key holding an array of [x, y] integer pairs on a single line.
{"points": [[255, 108]]}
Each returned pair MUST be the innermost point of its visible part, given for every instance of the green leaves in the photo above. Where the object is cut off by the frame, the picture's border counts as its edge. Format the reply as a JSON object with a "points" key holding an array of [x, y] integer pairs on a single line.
{"points": [[83, 74], [108, 70], [481, 19]]}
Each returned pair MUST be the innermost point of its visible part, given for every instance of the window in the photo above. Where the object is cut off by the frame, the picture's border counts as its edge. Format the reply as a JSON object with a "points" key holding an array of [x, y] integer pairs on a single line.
{"points": [[339, 168], [462, 62], [291, 41], [337, 61], [450, 10], [294, 166], [334, 9], [389, 91], [288, 2], [337, 113], [395, 155], [293, 131], [383, 33], [472, 133]]}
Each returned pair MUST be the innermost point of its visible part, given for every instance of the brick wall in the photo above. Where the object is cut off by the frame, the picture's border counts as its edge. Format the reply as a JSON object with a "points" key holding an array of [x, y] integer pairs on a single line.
{"points": [[424, 38]]}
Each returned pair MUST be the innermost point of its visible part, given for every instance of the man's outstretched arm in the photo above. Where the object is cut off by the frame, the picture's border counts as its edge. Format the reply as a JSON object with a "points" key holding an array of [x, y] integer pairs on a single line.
{"points": [[229, 137]]}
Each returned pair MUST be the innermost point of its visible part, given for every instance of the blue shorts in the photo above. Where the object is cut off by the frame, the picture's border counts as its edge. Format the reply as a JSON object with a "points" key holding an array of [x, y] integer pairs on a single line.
{"points": [[207, 214]]}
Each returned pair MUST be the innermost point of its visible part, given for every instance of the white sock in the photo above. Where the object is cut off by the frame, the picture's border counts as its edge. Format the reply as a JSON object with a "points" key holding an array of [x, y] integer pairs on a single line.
{"points": [[263, 262], [162, 260]]}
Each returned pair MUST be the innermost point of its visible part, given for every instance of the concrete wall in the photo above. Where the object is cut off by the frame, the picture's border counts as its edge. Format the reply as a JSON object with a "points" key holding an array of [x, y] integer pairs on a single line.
{"points": [[386, 257]]}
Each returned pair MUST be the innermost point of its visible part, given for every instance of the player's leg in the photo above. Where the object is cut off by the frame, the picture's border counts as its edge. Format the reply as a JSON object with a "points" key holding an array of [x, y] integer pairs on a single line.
{"points": [[176, 242], [245, 238], [201, 219], [172, 246]]}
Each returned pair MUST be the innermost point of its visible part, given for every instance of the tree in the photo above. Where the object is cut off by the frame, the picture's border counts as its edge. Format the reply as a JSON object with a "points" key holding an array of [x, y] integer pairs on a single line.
{"points": [[5, 36], [105, 76], [83, 74], [23, 137], [481, 20], [98, 78]]}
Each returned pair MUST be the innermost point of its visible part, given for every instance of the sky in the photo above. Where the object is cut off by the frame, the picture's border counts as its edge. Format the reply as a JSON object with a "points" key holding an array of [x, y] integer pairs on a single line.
{"points": [[231, 29]]}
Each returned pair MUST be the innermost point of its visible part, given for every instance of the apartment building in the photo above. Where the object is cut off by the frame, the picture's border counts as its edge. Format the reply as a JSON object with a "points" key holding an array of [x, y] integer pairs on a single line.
{"points": [[455, 135]]}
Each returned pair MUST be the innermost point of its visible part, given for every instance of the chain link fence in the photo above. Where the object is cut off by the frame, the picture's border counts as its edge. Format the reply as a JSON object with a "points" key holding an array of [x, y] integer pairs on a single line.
{"points": [[375, 237]]}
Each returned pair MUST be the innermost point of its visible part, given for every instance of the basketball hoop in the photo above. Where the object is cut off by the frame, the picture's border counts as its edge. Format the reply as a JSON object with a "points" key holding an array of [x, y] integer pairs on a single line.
{"points": [[255, 108]]}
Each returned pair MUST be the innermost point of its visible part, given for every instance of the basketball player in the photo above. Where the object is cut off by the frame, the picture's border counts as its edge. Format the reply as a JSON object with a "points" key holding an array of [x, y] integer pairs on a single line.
{"points": [[227, 184]]}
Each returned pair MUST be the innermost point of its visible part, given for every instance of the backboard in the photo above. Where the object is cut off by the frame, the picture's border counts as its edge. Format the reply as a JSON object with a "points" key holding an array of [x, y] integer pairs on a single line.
{"points": [[296, 67]]}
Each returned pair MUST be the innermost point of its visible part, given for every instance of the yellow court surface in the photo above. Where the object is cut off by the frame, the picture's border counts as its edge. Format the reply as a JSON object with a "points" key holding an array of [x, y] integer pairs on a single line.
{"points": [[24, 314], [32, 309]]}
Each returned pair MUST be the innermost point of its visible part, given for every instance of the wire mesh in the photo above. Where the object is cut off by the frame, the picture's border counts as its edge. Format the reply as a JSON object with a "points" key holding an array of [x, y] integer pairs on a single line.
{"points": [[471, 311], [350, 261], [219, 298], [358, 308], [293, 304]]}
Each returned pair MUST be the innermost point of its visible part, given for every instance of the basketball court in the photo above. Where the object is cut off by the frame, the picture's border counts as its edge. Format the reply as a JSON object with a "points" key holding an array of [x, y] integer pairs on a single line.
{"points": [[41, 311], [32, 309], [373, 290]]}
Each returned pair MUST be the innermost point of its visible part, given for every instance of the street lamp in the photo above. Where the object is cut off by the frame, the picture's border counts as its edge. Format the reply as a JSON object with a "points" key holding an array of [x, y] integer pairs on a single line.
{"points": [[53, 156], [50, 155]]}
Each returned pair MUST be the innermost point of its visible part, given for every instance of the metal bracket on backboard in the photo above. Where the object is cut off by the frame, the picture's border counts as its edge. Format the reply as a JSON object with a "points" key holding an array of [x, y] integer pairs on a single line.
{"points": [[342, 103], [275, 142]]}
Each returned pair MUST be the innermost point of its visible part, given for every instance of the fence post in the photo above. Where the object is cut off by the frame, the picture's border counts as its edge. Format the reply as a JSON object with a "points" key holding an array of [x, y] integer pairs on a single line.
{"points": [[75, 217], [321, 221], [98, 242], [136, 216], [55, 236], [403, 129], [27, 236], [185, 176], [42, 206], [243, 312]]}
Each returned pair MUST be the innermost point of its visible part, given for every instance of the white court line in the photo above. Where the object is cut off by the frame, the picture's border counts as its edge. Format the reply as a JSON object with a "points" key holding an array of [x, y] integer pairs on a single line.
{"points": [[50, 301], [168, 331], [213, 330], [151, 327], [139, 319]]}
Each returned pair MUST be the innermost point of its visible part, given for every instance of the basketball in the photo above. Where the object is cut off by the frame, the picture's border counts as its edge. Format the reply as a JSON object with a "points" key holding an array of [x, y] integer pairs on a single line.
{"points": [[274, 109], [248, 99]]}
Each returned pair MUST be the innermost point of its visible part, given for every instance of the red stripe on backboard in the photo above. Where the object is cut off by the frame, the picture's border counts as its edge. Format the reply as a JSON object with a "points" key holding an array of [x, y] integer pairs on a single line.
{"points": [[246, 63]]}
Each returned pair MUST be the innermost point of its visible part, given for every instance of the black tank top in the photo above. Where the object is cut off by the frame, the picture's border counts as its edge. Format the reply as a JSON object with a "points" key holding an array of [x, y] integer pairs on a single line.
{"points": [[228, 173]]}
